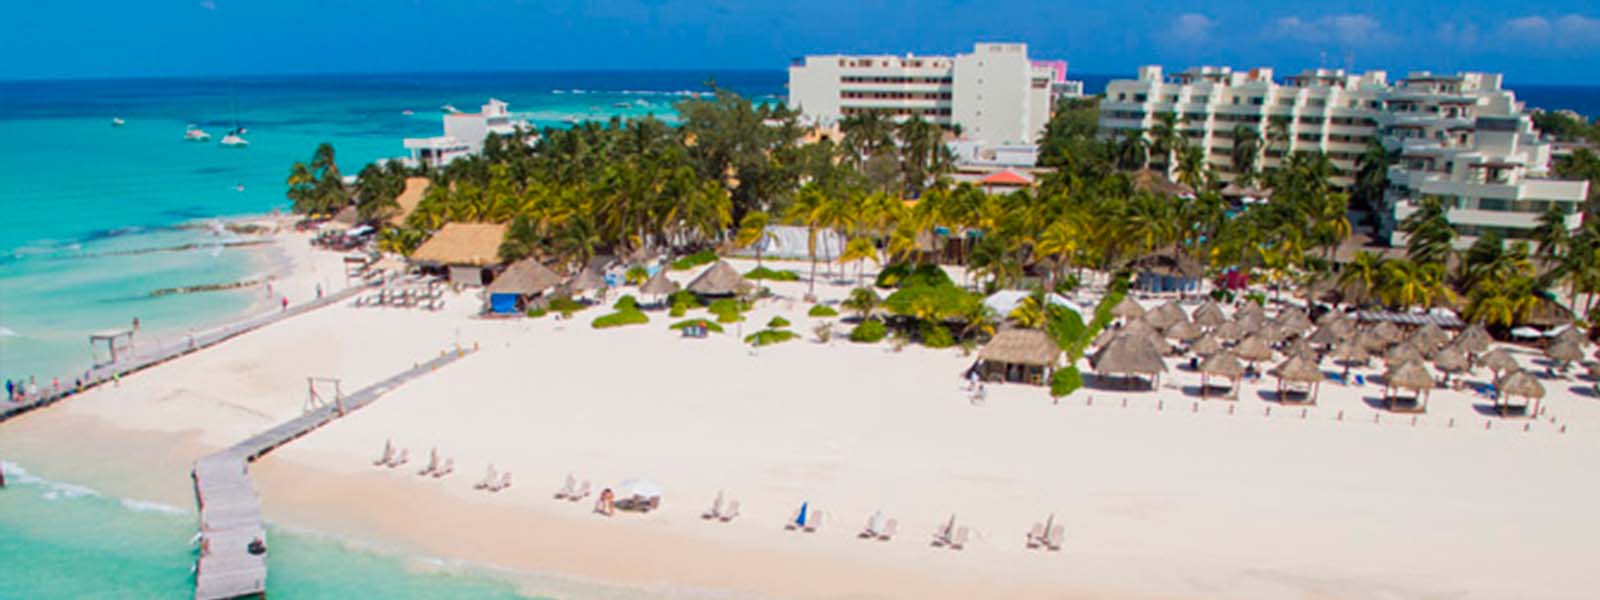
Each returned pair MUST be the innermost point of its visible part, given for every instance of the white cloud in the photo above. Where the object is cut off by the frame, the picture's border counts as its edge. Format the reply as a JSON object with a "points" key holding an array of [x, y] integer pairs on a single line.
{"points": [[1566, 31], [1191, 27], [1348, 30]]}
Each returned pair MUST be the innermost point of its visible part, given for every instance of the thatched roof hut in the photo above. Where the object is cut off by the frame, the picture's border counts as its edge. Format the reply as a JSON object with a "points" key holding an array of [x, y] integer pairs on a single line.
{"points": [[1154, 182], [1428, 338], [1021, 347], [526, 277], [1349, 354], [1564, 351], [1129, 355], [1450, 359], [1127, 309], [1254, 349], [1166, 315], [462, 244], [1475, 339], [1294, 320], [659, 285], [1222, 364], [1521, 384], [587, 279], [1571, 335], [1499, 361], [1408, 376], [1184, 331], [406, 203], [1209, 315], [1232, 330], [1207, 345], [1402, 353], [721, 279], [1247, 309], [1298, 369], [1387, 332]]}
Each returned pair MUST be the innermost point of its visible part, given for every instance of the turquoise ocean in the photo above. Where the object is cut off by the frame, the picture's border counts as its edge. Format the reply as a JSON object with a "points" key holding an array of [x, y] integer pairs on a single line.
{"points": [[93, 218]]}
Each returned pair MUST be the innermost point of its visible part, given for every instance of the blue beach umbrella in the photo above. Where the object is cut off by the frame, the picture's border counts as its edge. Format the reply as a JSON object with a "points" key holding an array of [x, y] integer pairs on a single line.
{"points": [[801, 521]]}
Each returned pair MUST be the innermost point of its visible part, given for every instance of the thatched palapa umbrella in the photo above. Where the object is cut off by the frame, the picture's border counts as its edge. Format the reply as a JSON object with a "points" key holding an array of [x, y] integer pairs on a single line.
{"points": [[1222, 364], [1184, 331], [1294, 320], [1428, 338], [1303, 347], [1564, 351], [1209, 315], [1570, 334], [1521, 384], [1499, 361], [659, 285], [1165, 316], [1298, 370], [1450, 359], [525, 277], [1350, 354], [1127, 309], [1247, 309], [1474, 339], [1387, 332], [1330, 317], [1129, 355], [1332, 333], [1402, 353], [1253, 349], [1230, 331], [1252, 321], [1135, 328], [1408, 376], [719, 280], [588, 279], [1207, 345]]}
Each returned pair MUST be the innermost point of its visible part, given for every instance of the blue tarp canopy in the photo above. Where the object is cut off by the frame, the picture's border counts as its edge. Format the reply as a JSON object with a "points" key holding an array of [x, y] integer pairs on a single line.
{"points": [[503, 303]]}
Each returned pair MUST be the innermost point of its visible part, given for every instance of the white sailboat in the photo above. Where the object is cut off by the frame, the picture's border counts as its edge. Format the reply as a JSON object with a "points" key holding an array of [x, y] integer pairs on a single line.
{"points": [[117, 122], [193, 133], [235, 137]]}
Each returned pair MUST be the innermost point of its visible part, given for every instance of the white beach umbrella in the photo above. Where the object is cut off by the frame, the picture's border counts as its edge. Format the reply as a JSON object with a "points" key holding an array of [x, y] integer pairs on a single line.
{"points": [[640, 488]]}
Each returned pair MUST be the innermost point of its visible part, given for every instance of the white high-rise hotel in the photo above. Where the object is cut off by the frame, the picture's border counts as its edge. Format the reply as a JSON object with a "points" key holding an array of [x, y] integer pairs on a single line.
{"points": [[995, 94], [1462, 137]]}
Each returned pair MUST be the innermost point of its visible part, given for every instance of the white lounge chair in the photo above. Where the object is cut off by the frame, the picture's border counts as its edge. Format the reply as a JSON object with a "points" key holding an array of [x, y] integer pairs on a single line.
{"points": [[433, 463], [960, 540], [890, 528], [505, 482], [870, 530], [489, 478], [1036, 536], [583, 491], [793, 522], [567, 490], [716, 508], [388, 454], [448, 468], [400, 459], [1057, 535], [813, 521], [730, 513]]}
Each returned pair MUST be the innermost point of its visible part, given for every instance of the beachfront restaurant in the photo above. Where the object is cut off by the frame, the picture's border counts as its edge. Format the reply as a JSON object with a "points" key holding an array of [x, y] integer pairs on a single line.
{"points": [[1020, 356], [466, 253], [521, 285]]}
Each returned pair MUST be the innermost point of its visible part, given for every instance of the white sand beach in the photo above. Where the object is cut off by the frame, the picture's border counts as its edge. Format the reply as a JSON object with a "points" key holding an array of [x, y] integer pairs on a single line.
{"points": [[1168, 497]]}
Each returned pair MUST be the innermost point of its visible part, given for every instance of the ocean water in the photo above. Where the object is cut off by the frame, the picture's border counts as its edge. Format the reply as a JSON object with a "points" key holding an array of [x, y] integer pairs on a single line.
{"points": [[90, 216]]}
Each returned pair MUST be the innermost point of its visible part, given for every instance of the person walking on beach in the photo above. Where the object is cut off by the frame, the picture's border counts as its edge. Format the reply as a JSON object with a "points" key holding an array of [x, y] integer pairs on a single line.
{"points": [[319, 291], [11, 389], [136, 324], [285, 304]]}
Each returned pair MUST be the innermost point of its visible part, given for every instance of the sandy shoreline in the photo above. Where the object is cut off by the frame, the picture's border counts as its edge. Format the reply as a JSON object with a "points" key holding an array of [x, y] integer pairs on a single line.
{"points": [[1175, 503]]}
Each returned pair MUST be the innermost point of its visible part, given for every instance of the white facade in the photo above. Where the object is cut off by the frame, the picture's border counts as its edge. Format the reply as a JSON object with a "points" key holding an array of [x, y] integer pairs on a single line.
{"points": [[464, 133], [995, 93], [1461, 136]]}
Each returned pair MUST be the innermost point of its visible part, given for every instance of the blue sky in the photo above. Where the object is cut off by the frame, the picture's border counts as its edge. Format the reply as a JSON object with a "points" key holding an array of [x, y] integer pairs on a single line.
{"points": [[1533, 41]]}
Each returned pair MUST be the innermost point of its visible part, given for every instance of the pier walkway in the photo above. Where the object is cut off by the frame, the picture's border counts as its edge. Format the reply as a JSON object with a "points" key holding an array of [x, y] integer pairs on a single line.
{"points": [[233, 539], [144, 358]]}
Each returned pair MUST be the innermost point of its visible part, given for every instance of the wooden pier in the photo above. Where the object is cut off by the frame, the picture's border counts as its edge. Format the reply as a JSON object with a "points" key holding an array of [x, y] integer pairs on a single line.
{"points": [[233, 551], [140, 360]]}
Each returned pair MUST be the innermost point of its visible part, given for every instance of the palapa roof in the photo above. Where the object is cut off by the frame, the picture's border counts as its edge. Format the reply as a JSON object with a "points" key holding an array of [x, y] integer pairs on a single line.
{"points": [[659, 284], [1330, 317], [1253, 349], [1293, 319], [1350, 352], [1474, 338], [1570, 334], [1222, 364], [1564, 351], [1206, 345], [1135, 328], [1151, 181], [1387, 331], [1401, 353], [525, 277], [1021, 347], [1330, 334], [1409, 375], [1429, 337], [1234, 190], [587, 279], [1165, 316], [1209, 315], [1298, 369], [1232, 330], [1127, 309], [1499, 359], [1249, 308], [1371, 341], [718, 280], [1302, 347], [1183, 331], [347, 216], [1450, 359], [463, 244], [1251, 321], [416, 189], [1520, 383], [1128, 354], [1168, 264]]}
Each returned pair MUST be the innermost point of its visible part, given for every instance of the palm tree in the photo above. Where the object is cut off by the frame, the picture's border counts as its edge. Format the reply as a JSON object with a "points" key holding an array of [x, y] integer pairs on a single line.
{"points": [[1551, 235], [809, 210], [859, 250], [1029, 312], [1415, 284], [1429, 233], [1502, 302], [1166, 140], [1192, 168], [861, 301], [752, 230], [1246, 152], [1277, 138], [1133, 150], [1372, 175], [1362, 277]]}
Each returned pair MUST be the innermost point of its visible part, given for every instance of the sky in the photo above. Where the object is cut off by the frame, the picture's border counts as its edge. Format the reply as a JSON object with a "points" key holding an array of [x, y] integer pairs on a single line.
{"points": [[1532, 41]]}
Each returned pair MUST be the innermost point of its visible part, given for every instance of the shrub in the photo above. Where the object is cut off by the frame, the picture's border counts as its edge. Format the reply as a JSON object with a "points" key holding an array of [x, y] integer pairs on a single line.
{"points": [[770, 274], [870, 331], [620, 318], [1066, 327], [1257, 297], [678, 310], [1065, 381], [708, 324], [777, 323], [565, 306], [822, 310], [536, 312], [626, 303], [728, 306], [767, 337], [636, 275], [703, 257], [1066, 285], [904, 275], [935, 335]]}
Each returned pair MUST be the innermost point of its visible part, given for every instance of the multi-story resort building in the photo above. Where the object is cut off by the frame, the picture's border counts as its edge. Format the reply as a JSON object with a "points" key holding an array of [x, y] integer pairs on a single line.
{"points": [[1462, 137], [995, 93], [464, 134]]}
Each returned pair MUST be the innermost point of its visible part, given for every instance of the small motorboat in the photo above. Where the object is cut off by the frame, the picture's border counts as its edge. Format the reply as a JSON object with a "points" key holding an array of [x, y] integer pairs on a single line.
{"points": [[234, 139], [193, 133], [450, 109], [118, 122], [407, 112]]}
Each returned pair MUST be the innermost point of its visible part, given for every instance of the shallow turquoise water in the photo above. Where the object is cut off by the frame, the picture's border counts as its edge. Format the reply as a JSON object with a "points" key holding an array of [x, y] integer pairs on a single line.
{"points": [[66, 541]]}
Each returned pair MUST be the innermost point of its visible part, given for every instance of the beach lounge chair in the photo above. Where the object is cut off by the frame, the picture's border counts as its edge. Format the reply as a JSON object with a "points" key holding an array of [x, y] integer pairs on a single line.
{"points": [[1057, 535], [583, 491], [489, 478], [388, 454], [941, 536], [400, 459], [433, 463], [448, 468], [505, 482], [1036, 536], [870, 530], [813, 521], [793, 522], [730, 513], [716, 508], [567, 488], [960, 540], [890, 528]]}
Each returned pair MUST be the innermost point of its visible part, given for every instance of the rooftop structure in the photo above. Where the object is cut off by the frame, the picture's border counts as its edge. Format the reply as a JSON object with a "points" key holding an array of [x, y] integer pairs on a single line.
{"points": [[464, 133], [995, 93]]}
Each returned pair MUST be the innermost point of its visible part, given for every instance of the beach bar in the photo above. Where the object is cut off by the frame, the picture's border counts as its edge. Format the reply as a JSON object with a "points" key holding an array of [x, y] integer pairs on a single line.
{"points": [[1019, 355], [466, 252]]}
